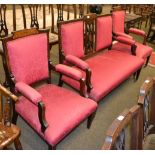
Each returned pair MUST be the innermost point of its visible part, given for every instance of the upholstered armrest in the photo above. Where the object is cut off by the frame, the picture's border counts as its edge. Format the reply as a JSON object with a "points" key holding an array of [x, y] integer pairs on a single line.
{"points": [[123, 35], [28, 92], [82, 65], [69, 71], [72, 73], [36, 98], [137, 32], [125, 40], [77, 62]]}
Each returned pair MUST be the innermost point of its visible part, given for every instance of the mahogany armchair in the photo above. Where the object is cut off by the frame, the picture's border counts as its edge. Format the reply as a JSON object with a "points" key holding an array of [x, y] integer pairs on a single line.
{"points": [[125, 132], [53, 112], [142, 50], [99, 66], [140, 117], [147, 102], [9, 133]]}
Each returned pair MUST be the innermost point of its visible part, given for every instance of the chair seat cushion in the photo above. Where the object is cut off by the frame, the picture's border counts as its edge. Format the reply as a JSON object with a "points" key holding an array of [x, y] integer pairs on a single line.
{"points": [[109, 69], [64, 110], [142, 51], [149, 143]]}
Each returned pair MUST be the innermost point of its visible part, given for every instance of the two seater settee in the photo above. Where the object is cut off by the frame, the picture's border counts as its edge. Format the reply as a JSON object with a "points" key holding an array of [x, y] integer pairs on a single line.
{"points": [[103, 69]]}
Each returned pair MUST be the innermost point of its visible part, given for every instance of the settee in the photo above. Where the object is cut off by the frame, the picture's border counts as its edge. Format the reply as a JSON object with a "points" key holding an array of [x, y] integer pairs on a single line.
{"points": [[103, 68]]}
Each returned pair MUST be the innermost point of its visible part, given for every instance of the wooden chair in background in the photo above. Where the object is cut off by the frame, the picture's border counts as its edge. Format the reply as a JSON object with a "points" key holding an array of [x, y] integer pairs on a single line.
{"points": [[9, 133], [151, 29], [140, 118]]}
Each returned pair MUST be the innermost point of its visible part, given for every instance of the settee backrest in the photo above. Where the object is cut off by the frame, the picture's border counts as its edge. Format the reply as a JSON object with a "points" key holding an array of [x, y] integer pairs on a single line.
{"points": [[103, 32], [71, 38], [118, 18], [28, 57]]}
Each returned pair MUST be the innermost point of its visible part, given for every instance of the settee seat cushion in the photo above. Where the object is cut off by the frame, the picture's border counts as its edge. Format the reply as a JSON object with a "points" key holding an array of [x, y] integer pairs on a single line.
{"points": [[109, 69], [64, 110], [142, 51]]}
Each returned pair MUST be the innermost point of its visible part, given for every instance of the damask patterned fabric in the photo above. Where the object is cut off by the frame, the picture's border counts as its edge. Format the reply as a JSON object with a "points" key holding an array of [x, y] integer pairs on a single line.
{"points": [[109, 69], [72, 38], [23, 52], [64, 110]]}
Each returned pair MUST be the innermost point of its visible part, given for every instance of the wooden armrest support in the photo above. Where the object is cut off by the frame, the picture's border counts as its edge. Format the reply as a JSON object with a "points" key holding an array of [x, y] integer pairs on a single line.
{"points": [[8, 93]]}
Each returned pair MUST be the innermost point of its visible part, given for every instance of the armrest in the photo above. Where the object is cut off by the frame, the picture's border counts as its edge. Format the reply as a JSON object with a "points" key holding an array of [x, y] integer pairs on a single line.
{"points": [[73, 73], [8, 93], [69, 71], [77, 62], [36, 98], [137, 32], [28, 92], [82, 65], [123, 35], [125, 40]]}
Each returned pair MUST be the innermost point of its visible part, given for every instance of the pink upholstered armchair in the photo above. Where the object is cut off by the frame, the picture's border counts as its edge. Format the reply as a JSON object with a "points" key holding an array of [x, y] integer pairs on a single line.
{"points": [[53, 112], [142, 51]]}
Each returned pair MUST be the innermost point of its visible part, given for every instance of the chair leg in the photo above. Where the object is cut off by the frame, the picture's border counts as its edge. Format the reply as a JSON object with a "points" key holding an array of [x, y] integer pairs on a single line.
{"points": [[90, 120], [14, 118], [137, 74], [147, 61], [51, 147], [60, 81], [18, 144]]}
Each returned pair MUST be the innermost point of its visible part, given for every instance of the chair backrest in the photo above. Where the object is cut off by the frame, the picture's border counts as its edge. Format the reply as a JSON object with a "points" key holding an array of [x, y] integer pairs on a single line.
{"points": [[89, 32], [71, 38], [3, 26], [147, 101], [116, 137], [6, 98], [118, 18], [27, 55], [103, 32]]}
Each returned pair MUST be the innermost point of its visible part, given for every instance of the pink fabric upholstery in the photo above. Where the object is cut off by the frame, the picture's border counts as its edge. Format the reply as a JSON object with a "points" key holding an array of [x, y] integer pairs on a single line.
{"points": [[23, 53], [72, 38], [77, 62], [64, 110], [118, 21], [28, 92], [103, 32], [125, 40], [69, 71], [109, 69], [123, 34], [137, 31], [142, 51]]}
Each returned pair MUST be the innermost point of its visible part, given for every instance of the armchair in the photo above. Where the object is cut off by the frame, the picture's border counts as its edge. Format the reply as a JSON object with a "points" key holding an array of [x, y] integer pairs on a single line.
{"points": [[142, 51], [141, 117], [53, 112]]}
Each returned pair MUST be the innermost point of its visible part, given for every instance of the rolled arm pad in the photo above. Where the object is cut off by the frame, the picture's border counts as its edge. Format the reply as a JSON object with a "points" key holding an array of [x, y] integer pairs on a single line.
{"points": [[125, 40], [28, 92], [123, 35], [69, 71], [137, 31], [77, 62]]}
